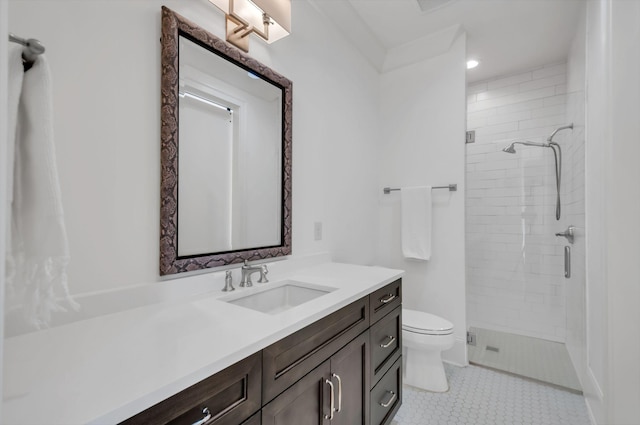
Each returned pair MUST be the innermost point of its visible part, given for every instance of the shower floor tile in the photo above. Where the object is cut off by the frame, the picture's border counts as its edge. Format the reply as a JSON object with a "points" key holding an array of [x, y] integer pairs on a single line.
{"points": [[480, 396], [534, 358]]}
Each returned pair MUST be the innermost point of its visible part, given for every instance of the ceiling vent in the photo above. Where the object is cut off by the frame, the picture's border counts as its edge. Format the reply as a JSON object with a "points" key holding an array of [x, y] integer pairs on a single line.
{"points": [[431, 5]]}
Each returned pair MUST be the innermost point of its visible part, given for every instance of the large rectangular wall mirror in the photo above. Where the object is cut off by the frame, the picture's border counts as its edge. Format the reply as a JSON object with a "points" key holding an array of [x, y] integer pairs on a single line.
{"points": [[225, 153]]}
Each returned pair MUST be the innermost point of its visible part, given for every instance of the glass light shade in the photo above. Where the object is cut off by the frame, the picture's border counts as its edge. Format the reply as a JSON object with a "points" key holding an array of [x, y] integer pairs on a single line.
{"points": [[251, 11], [221, 4], [280, 13]]}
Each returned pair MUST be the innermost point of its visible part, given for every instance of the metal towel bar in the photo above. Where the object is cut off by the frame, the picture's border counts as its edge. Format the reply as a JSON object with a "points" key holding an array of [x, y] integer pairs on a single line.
{"points": [[32, 48], [451, 187]]}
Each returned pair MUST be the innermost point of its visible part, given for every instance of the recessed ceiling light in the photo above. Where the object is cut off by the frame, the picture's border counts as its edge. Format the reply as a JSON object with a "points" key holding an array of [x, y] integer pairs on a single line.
{"points": [[472, 63]]}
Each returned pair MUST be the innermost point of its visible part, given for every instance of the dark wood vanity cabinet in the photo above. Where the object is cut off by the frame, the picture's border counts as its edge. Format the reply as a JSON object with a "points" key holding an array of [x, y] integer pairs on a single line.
{"points": [[386, 353], [254, 420], [350, 371], [341, 381], [386, 344], [226, 398], [289, 359], [385, 299], [350, 360], [386, 396]]}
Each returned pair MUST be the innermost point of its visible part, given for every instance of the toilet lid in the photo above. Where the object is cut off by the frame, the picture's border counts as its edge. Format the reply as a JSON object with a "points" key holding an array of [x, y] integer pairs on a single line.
{"points": [[425, 323]]}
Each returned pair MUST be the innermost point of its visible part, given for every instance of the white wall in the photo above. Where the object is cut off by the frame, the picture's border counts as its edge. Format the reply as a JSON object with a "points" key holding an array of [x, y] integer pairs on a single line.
{"points": [[623, 212], [423, 126], [574, 195], [613, 207], [105, 60], [597, 122], [515, 274], [4, 54]]}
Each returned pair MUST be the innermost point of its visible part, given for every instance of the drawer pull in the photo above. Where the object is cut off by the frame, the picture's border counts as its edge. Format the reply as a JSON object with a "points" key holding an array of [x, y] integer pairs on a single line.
{"points": [[391, 400], [388, 298], [207, 416], [392, 339], [332, 406], [339, 391]]}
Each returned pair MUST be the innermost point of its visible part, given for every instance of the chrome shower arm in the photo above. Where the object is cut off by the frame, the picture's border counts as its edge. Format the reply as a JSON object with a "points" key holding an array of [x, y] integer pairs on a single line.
{"points": [[550, 138], [528, 143]]}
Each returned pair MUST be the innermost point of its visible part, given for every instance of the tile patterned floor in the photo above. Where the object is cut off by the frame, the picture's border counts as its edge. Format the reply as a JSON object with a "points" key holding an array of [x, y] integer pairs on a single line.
{"points": [[534, 358], [480, 396]]}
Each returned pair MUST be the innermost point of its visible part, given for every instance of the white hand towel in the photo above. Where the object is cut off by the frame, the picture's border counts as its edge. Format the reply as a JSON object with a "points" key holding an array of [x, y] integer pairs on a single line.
{"points": [[16, 74], [39, 250], [416, 222]]}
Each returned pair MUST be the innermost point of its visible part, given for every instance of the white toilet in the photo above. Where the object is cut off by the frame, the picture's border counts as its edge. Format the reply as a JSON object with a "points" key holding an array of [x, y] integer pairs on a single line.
{"points": [[424, 337]]}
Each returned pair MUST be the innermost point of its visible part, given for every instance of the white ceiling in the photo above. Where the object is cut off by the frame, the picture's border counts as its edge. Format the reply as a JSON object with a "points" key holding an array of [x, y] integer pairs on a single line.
{"points": [[505, 35]]}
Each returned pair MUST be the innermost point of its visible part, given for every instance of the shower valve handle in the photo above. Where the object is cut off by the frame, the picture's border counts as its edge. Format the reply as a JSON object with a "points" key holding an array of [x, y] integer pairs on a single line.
{"points": [[568, 234]]}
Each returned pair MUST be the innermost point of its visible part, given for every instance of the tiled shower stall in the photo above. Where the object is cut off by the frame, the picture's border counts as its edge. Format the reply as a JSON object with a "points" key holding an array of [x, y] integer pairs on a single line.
{"points": [[515, 263]]}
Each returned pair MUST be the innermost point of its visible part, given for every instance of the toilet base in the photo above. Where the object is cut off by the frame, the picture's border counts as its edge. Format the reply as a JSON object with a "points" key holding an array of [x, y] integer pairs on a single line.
{"points": [[424, 370]]}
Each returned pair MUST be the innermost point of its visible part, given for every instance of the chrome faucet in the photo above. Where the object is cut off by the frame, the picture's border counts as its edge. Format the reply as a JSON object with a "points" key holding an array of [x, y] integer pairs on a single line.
{"points": [[569, 233], [247, 271], [228, 282]]}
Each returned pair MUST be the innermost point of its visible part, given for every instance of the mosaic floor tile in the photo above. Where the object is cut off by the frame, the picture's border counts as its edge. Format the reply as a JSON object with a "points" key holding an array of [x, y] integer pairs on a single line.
{"points": [[480, 396]]}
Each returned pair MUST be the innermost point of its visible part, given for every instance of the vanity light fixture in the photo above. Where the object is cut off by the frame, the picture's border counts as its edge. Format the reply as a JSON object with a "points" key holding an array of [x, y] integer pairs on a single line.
{"points": [[472, 63], [270, 19]]}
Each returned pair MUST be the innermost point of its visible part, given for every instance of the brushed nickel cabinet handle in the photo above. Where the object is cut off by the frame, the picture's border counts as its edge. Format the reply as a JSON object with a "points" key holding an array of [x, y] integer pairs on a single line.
{"points": [[207, 416], [339, 391], [391, 400], [332, 402], [388, 299], [392, 339]]}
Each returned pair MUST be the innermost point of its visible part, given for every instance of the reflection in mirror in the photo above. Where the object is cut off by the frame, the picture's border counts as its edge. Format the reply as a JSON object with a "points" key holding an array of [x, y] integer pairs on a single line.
{"points": [[226, 153], [229, 155]]}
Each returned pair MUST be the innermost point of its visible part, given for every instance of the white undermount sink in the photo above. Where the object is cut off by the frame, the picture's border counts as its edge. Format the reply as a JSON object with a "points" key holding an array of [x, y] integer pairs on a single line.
{"points": [[279, 296]]}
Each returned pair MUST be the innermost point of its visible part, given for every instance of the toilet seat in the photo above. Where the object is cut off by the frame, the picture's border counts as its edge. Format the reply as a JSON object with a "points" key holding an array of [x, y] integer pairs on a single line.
{"points": [[423, 323]]}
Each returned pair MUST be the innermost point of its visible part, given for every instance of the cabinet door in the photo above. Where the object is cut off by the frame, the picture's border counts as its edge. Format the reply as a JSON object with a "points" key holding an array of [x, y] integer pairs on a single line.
{"points": [[305, 403], [350, 375], [291, 358]]}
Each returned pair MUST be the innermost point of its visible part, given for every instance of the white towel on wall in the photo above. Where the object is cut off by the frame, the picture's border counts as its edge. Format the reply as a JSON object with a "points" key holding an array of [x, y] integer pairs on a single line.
{"points": [[416, 222], [16, 74], [37, 250]]}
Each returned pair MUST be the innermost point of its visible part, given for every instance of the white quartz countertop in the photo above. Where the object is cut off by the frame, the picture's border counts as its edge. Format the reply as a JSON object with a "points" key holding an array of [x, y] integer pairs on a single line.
{"points": [[108, 368]]}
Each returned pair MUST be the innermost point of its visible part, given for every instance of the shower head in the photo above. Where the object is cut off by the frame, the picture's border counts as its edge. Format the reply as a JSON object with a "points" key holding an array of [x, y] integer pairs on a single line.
{"points": [[557, 154], [509, 149]]}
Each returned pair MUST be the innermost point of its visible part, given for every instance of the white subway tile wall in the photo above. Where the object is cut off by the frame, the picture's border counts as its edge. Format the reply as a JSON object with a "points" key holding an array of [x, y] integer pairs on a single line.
{"points": [[515, 263]]}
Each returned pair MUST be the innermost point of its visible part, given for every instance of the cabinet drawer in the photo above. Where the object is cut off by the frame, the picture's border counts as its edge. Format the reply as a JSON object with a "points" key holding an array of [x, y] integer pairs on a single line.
{"points": [[386, 397], [386, 343], [289, 359], [229, 397], [384, 300]]}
